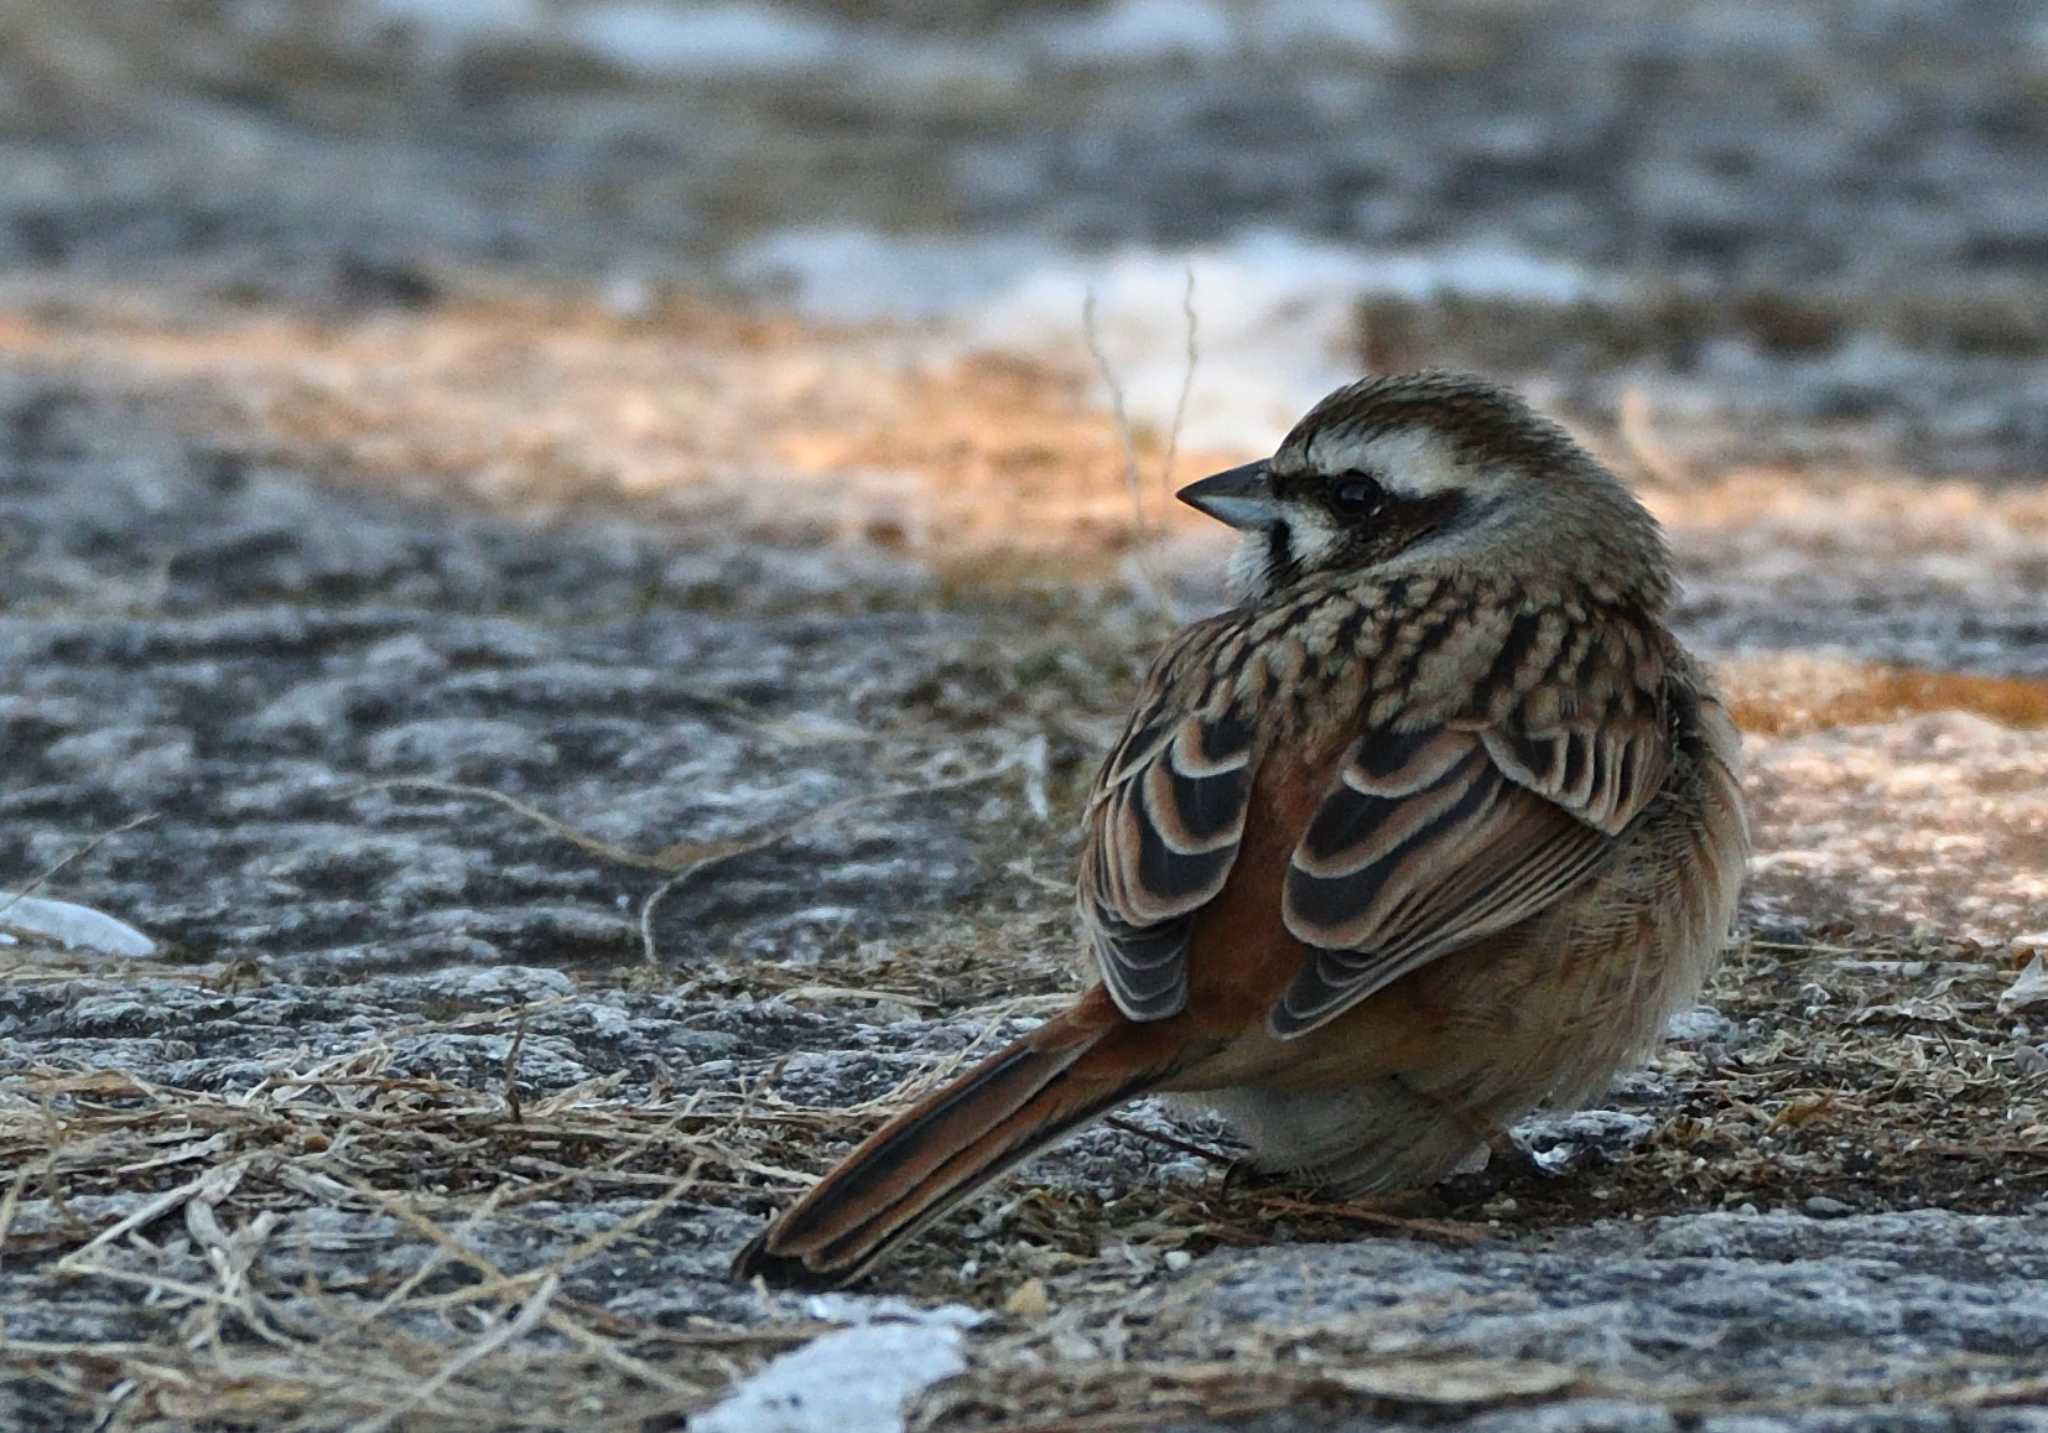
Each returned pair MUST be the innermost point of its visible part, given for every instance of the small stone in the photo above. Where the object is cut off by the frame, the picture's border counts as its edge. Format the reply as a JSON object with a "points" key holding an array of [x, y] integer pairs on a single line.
{"points": [[2028, 991], [1820, 1206], [1178, 1259], [1028, 1300]]}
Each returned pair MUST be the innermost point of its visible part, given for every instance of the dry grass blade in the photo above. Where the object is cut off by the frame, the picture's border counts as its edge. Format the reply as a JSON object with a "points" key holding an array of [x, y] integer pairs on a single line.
{"points": [[1379, 1218], [582, 840], [1185, 1146], [1127, 441], [686, 860], [1187, 383], [155, 1209], [323, 1148], [524, 1322], [83, 851], [1152, 589], [1636, 426]]}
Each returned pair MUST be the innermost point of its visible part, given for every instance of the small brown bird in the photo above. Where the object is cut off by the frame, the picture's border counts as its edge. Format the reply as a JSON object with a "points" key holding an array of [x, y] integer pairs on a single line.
{"points": [[1438, 823]]}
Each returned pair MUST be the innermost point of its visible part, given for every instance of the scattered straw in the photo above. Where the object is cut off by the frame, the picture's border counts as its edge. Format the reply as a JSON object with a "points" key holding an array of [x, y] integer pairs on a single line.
{"points": [[339, 1139]]}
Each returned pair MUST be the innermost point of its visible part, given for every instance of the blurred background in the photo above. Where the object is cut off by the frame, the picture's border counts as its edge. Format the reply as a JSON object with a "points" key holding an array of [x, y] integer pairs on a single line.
{"points": [[1822, 224]]}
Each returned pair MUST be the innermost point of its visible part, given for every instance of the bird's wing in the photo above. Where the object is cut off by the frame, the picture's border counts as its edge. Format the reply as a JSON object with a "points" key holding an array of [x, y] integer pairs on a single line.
{"points": [[1163, 827], [1429, 839]]}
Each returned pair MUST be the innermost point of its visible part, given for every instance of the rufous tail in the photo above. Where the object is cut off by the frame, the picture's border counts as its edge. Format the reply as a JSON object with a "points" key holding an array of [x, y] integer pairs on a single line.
{"points": [[952, 1142]]}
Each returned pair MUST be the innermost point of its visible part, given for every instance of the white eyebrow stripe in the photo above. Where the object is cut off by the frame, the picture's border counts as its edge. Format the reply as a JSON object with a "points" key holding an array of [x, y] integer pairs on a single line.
{"points": [[1412, 462]]}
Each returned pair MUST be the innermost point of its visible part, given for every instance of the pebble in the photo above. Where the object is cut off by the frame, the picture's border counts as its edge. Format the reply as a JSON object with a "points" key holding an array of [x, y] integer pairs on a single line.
{"points": [[1029, 1300], [1820, 1206]]}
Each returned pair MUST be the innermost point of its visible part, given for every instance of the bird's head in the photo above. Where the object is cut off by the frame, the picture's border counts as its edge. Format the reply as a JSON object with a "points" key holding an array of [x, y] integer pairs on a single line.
{"points": [[1432, 471]]}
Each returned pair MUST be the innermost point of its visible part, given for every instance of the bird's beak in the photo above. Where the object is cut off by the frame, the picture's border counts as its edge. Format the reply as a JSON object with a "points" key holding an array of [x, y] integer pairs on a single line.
{"points": [[1241, 497]]}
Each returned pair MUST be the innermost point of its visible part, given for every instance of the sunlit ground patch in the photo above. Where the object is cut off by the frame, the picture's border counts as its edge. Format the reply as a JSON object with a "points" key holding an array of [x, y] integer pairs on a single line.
{"points": [[1935, 823], [1782, 694]]}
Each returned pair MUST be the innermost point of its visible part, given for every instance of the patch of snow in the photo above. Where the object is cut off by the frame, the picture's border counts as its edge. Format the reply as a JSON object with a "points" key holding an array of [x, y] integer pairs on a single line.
{"points": [[445, 28], [853, 1378], [853, 275], [74, 927], [860, 1310], [749, 37], [1276, 320], [725, 38], [1276, 313], [1147, 31], [1131, 30]]}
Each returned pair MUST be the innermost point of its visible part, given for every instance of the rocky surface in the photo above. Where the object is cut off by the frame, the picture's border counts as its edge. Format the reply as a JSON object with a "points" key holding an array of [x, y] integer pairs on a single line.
{"points": [[244, 659]]}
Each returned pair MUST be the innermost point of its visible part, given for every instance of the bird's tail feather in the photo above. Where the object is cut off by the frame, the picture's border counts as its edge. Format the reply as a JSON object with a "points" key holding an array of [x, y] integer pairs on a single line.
{"points": [[943, 1149]]}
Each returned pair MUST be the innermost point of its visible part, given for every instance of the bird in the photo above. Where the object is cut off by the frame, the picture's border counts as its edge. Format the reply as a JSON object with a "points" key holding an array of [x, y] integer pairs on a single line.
{"points": [[1437, 823]]}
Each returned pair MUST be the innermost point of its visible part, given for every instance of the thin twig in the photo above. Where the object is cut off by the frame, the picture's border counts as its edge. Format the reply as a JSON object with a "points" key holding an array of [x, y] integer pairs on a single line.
{"points": [[1185, 1146], [81, 853], [512, 1070], [1187, 383], [1364, 1214], [582, 840], [1127, 441], [696, 859], [76, 1263]]}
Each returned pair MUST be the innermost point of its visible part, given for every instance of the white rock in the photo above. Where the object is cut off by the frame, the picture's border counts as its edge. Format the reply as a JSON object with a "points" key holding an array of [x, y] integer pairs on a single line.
{"points": [[2029, 990], [854, 1378], [75, 927]]}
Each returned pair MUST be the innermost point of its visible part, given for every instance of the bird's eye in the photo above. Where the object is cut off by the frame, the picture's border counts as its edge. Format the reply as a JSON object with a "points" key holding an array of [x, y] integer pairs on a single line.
{"points": [[1357, 494]]}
